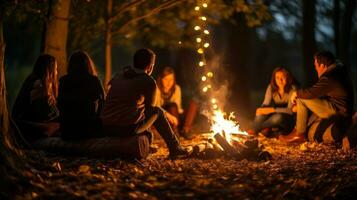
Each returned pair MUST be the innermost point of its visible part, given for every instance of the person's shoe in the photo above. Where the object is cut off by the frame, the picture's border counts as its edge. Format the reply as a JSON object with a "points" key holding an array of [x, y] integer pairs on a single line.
{"points": [[293, 137], [266, 132], [179, 152]]}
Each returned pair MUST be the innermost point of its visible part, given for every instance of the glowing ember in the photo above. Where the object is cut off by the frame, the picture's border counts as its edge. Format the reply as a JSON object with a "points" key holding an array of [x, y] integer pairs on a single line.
{"points": [[225, 126]]}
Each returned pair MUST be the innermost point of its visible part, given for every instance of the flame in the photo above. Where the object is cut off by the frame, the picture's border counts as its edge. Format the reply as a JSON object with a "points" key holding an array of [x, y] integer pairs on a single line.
{"points": [[225, 126]]}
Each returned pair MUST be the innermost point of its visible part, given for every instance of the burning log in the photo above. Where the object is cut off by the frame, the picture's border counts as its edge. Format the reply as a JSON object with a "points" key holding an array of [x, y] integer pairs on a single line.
{"points": [[225, 145], [198, 149]]}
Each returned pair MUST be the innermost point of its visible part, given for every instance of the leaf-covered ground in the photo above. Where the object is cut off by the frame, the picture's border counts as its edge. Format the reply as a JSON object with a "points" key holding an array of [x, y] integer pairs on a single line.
{"points": [[305, 171]]}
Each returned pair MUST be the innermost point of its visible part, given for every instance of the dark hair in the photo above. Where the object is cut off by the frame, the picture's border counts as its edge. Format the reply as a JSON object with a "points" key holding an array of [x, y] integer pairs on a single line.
{"points": [[289, 80], [163, 73], [80, 63], [45, 70], [143, 58], [324, 57]]}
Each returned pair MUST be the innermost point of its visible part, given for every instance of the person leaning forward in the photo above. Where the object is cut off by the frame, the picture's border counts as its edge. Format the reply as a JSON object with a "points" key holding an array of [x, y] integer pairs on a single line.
{"points": [[331, 95], [129, 107]]}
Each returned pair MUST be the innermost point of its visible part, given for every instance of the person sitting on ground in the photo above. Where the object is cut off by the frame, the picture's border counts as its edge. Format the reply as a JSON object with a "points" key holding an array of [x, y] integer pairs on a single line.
{"points": [[332, 95], [129, 108], [169, 98], [276, 110], [80, 99], [35, 110]]}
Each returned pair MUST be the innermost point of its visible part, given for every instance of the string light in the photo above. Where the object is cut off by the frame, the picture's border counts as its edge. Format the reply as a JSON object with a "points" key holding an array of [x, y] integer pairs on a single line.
{"points": [[197, 8], [206, 32], [198, 40], [200, 51], [203, 18], [215, 106], [210, 74], [213, 100], [205, 5], [197, 28], [201, 63], [204, 78], [206, 45], [205, 89]]}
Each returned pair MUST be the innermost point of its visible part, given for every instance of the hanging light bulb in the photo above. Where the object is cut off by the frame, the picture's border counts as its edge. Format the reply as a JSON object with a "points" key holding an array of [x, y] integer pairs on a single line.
{"points": [[213, 100], [197, 28], [206, 45], [203, 78], [201, 63], [198, 40]]}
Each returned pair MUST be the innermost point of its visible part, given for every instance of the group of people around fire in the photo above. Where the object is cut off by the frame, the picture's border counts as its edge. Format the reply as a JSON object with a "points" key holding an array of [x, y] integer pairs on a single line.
{"points": [[76, 107]]}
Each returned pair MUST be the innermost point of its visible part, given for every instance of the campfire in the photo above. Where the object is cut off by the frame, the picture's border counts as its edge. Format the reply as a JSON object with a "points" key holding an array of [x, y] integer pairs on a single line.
{"points": [[228, 140]]}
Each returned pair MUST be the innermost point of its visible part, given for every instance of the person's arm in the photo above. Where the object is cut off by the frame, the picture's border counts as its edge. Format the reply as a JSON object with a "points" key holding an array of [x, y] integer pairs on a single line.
{"points": [[268, 97], [320, 89], [150, 93], [177, 98]]}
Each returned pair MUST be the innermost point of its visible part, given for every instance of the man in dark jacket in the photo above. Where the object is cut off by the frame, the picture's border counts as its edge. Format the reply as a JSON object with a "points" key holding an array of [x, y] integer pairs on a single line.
{"points": [[129, 108], [331, 95]]}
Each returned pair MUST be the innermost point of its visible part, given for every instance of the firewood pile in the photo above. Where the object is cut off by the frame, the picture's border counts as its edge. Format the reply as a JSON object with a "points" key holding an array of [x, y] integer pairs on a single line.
{"points": [[240, 147]]}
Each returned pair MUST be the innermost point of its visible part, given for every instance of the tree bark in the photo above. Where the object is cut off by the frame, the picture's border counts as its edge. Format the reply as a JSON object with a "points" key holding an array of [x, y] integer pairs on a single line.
{"points": [[11, 164], [56, 33], [346, 29], [308, 41], [108, 44], [336, 25]]}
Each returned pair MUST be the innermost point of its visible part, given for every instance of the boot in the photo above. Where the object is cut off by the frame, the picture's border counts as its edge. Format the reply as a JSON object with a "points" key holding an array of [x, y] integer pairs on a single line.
{"points": [[179, 152]]}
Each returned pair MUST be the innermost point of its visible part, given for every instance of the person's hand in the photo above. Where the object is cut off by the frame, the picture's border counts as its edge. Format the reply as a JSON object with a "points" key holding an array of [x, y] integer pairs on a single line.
{"points": [[172, 119], [293, 98], [294, 108], [265, 111]]}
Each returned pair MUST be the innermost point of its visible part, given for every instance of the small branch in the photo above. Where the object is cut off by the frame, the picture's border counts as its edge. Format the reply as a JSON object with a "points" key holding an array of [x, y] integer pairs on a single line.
{"points": [[125, 7], [156, 10]]}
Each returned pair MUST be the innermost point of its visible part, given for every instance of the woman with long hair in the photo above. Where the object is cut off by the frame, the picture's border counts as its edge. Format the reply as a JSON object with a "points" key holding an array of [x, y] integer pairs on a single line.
{"points": [[169, 98], [35, 110], [80, 99], [276, 110]]}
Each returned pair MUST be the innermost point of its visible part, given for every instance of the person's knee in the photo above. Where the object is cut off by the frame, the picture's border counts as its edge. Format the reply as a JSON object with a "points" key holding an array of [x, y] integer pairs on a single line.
{"points": [[277, 118]]}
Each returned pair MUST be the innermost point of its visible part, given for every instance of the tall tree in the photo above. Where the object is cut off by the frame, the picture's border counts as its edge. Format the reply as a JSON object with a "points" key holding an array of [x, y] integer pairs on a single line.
{"points": [[346, 28], [56, 32], [11, 160], [308, 39], [108, 44]]}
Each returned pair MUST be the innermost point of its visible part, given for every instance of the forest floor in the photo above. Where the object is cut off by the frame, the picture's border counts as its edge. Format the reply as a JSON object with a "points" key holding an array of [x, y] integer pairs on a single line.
{"points": [[306, 171]]}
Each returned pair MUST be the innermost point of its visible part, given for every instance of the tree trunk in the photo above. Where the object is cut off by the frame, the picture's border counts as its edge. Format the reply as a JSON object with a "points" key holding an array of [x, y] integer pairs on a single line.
{"points": [[108, 44], [56, 33], [11, 164], [308, 41], [336, 26], [346, 32]]}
